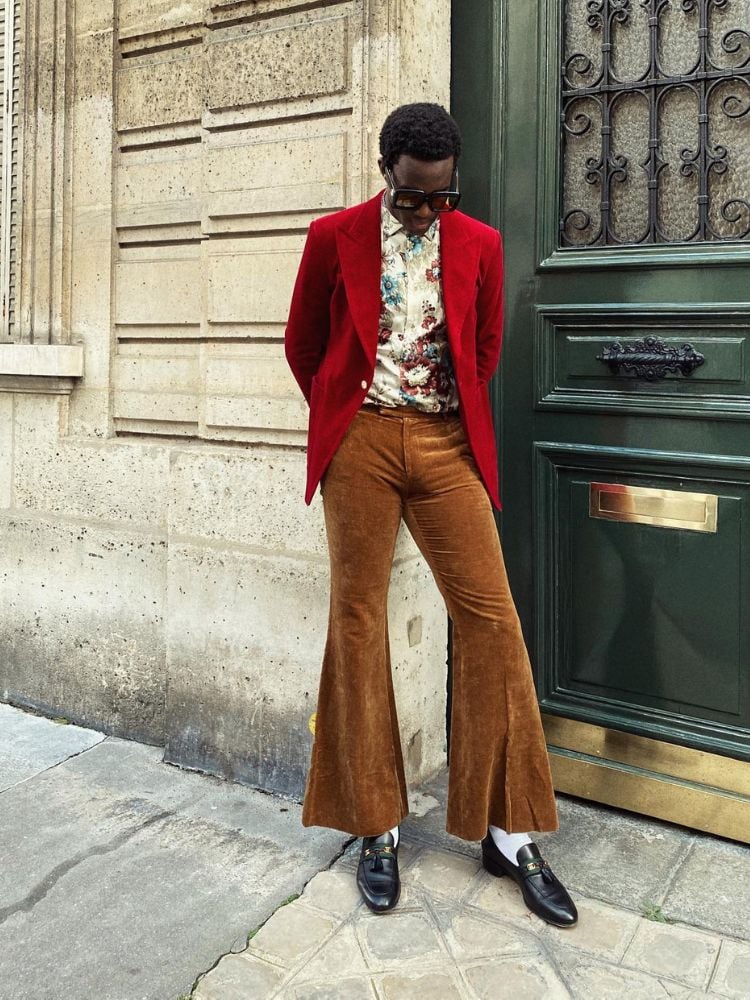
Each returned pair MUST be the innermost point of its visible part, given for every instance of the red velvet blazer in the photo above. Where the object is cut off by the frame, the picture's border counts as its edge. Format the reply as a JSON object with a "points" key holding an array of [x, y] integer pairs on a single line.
{"points": [[332, 331]]}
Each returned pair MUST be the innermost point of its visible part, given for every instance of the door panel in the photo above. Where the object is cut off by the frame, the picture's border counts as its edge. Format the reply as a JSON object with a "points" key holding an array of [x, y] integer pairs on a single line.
{"points": [[610, 142], [643, 623], [573, 372], [625, 620]]}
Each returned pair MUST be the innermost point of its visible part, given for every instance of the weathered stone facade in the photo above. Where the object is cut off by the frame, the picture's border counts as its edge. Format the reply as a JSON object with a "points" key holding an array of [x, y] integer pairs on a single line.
{"points": [[160, 575]]}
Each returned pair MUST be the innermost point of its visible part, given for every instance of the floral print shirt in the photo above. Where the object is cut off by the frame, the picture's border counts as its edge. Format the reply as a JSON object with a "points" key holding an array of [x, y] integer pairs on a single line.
{"points": [[413, 363]]}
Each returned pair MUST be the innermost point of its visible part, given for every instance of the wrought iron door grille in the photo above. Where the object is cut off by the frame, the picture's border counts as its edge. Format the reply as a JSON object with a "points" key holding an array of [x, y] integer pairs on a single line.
{"points": [[655, 122]]}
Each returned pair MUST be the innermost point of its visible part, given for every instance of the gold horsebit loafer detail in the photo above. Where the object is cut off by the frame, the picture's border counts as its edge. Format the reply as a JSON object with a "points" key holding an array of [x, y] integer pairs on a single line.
{"points": [[378, 853], [535, 866]]}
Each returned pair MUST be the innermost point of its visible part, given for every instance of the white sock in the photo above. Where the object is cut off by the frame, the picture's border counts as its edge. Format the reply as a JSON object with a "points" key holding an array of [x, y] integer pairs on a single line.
{"points": [[508, 843], [394, 831]]}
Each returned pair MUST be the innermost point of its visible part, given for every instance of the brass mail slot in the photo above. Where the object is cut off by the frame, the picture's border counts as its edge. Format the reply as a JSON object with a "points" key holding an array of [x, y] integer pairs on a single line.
{"points": [[664, 508]]}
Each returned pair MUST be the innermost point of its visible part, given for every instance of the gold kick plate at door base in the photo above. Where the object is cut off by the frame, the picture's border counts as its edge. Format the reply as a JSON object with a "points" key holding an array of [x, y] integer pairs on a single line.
{"points": [[701, 790], [664, 508]]}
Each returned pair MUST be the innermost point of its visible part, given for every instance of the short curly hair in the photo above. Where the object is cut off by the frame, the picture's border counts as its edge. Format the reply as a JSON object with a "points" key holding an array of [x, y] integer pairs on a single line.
{"points": [[424, 131]]}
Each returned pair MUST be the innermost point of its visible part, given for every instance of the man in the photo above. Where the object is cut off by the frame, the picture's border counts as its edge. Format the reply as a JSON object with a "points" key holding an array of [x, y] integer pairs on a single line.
{"points": [[394, 330]]}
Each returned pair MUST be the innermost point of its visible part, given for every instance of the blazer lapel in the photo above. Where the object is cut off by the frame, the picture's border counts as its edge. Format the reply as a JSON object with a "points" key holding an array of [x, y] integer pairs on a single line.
{"points": [[459, 262], [359, 256], [360, 259]]}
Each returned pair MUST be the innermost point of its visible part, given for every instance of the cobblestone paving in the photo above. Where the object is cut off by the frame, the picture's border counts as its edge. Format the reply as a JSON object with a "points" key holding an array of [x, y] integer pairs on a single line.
{"points": [[457, 932]]}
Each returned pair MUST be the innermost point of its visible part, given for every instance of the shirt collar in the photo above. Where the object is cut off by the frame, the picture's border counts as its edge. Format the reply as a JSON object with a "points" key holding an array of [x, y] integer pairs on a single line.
{"points": [[390, 225]]}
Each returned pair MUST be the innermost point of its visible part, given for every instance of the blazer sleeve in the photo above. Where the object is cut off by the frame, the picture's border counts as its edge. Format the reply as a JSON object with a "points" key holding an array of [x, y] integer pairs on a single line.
{"points": [[307, 328], [490, 310]]}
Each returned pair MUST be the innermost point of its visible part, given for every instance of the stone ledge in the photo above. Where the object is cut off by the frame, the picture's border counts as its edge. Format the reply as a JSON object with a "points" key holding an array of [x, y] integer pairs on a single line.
{"points": [[40, 367], [42, 359]]}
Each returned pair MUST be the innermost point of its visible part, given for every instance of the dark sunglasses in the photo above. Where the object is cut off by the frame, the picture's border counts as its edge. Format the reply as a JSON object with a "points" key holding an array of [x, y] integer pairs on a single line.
{"points": [[412, 198]]}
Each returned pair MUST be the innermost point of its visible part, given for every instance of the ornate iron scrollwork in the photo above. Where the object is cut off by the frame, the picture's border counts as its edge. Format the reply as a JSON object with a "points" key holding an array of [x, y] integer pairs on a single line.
{"points": [[591, 92], [651, 358]]}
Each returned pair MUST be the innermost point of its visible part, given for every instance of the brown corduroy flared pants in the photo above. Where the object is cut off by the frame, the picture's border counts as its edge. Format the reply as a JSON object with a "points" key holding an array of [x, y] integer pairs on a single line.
{"points": [[393, 464]]}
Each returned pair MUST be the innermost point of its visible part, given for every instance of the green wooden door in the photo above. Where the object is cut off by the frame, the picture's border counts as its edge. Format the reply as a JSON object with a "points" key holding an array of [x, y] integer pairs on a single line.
{"points": [[610, 142]]}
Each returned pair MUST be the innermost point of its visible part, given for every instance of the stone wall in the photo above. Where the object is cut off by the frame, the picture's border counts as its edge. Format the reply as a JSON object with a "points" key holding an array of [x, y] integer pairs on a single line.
{"points": [[160, 575]]}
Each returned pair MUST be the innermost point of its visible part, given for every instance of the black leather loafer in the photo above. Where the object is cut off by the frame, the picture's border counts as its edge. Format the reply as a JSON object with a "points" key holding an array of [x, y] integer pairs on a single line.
{"points": [[377, 873], [542, 891]]}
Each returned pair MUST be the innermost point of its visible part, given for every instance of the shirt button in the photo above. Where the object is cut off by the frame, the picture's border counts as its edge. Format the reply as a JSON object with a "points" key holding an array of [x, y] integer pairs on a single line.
{"points": [[363, 384]]}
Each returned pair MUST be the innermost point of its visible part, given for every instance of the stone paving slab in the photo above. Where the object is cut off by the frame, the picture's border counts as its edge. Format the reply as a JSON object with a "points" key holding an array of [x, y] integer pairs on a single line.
{"points": [[124, 878], [682, 954], [712, 887], [732, 974], [30, 744]]}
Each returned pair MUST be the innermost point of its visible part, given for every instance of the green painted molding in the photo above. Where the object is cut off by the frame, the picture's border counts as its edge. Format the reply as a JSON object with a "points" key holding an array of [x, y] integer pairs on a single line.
{"points": [[672, 255], [673, 396]]}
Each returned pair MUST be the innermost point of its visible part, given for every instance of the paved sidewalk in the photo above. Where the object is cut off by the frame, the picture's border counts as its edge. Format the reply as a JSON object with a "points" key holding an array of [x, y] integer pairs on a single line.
{"points": [[663, 913], [124, 878]]}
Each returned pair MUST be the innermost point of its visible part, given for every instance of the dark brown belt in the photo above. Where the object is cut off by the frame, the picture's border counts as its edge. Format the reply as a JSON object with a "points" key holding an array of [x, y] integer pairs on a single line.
{"points": [[406, 411]]}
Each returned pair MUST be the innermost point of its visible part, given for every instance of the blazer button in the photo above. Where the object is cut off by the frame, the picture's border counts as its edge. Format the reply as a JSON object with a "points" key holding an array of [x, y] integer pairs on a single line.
{"points": [[363, 384]]}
